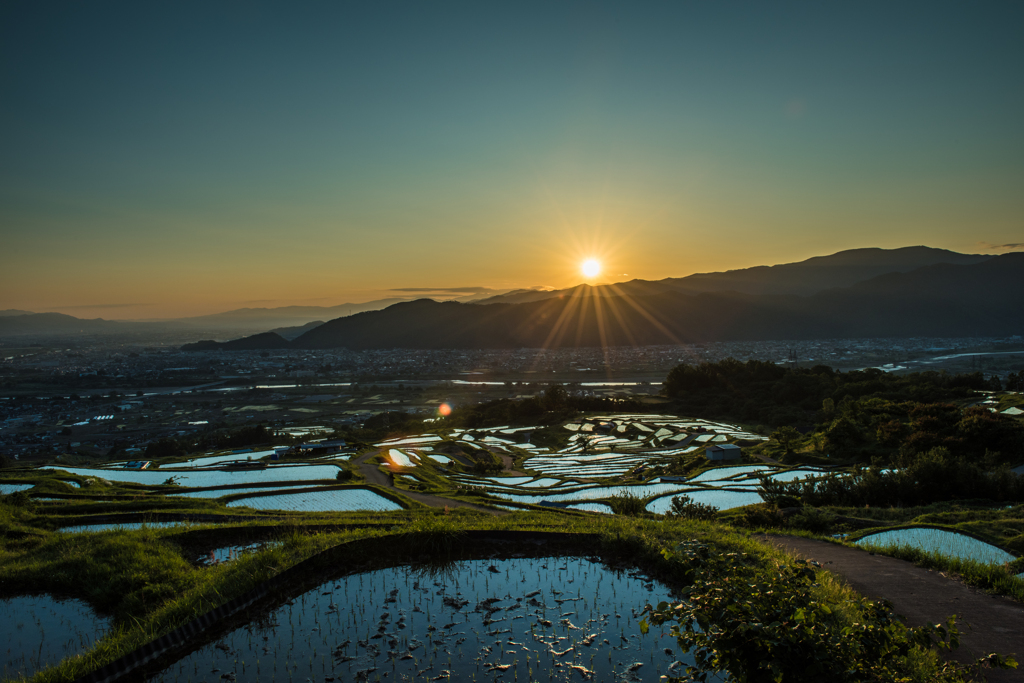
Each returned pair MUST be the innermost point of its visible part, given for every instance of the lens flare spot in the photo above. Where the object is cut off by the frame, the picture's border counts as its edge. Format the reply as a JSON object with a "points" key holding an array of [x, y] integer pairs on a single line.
{"points": [[591, 267], [444, 410]]}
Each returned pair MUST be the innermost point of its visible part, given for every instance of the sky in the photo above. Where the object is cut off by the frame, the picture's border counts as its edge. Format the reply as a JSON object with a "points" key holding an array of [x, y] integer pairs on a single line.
{"points": [[174, 159]]}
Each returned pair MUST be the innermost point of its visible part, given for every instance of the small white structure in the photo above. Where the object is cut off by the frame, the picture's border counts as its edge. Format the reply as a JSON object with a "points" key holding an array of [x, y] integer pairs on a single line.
{"points": [[725, 451]]}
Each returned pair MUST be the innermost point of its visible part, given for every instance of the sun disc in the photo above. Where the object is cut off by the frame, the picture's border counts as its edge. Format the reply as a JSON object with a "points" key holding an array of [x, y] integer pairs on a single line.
{"points": [[591, 267]]}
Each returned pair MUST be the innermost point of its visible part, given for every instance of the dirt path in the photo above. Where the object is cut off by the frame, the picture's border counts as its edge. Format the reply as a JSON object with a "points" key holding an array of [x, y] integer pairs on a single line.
{"points": [[988, 623], [376, 477]]}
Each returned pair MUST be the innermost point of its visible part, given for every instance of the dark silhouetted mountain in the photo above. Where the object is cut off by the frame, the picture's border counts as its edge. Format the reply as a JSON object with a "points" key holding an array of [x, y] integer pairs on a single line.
{"points": [[290, 333], [54, 323], [842, 269], [13, 311], [257, 342], [981, 299]]}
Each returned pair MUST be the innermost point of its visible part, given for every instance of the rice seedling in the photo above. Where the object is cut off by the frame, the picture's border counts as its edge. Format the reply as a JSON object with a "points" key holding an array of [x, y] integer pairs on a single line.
{"points": [[503, 627], [40, 631]]}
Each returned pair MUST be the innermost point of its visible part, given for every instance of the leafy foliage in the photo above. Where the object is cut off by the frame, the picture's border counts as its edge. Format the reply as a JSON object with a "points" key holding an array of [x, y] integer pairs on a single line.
{"points": [[929, 478], [686, 508], [557, 404], [786, 436], [760, 391], [213, 440], [761, 626], [627, 503]]}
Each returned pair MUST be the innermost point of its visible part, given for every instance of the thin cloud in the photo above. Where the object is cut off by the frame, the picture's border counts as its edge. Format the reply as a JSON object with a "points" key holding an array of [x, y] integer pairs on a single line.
{"points": [[290, 301], [106, 305], [455, 290], [1013, 246]]}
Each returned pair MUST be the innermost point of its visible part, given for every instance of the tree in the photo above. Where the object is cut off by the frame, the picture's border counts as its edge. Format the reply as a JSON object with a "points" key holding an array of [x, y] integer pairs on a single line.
{"points": [[828, 407], [164, 448], [786, 437], [555, 397], [843, 434]]}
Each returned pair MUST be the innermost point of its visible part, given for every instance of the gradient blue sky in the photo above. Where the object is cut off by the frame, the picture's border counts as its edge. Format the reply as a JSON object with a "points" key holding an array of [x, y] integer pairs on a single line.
{"points": [[185, 158]]}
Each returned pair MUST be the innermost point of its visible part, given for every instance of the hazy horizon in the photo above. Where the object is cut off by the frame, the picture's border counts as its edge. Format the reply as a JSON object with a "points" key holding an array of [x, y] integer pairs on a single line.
{"points": [[163, 162]]}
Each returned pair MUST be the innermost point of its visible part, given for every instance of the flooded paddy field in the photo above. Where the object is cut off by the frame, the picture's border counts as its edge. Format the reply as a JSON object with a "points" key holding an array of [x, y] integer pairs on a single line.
{"points": [[119, 526], [585, 463], [227, 553], [344, 500], [723, 499], [37, 631], [534, 619], [939, 541], [212, 478]]}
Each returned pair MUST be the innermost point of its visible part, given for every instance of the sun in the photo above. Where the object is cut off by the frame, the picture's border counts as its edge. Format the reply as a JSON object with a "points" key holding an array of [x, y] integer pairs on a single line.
{"points": [[591, 268]]}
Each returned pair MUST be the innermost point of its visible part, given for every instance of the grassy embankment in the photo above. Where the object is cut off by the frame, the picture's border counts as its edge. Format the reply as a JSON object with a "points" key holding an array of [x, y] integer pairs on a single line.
{"points": [[145, 580], [1002, 527]]}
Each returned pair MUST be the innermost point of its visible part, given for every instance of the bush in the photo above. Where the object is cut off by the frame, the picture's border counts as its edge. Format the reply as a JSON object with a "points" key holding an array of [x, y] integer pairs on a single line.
{"points": [[761, 626], [762, 516], [813, 520], [627, 503], [344, 475], [19, 499], [922, 479], [683, 507]]}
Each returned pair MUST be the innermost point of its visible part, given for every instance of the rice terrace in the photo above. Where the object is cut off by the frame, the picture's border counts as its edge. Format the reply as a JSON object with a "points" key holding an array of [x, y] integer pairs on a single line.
{"points": [[586, 342], [591, 545]]}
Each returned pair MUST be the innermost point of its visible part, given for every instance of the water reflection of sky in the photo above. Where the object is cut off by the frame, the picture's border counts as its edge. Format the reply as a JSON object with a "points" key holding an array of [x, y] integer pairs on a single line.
{"points": [[947, 543], [39, 631], [520, 619]]}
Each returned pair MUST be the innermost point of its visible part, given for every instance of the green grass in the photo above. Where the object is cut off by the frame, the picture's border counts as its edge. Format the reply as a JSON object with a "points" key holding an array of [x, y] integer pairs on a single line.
{"points": [[144, 579], [992, 578]]}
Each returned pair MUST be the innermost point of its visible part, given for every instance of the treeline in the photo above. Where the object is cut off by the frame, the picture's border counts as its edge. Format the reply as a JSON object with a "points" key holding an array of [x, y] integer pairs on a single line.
{"points": [[770, 394], [554, 406], [378, 427], [898, 431], [931, 477], [216, 440]]}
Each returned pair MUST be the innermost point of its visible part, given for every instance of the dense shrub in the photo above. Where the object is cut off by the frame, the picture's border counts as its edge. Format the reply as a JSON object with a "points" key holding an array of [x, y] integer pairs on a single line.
{"points": [[771, 627], [627, 503], [759, 391], [923, 479], [686, 508]]}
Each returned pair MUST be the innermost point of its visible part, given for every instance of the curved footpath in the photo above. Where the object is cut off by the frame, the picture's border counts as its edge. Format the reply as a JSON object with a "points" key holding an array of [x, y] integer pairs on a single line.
{"points": [[988, 623], [376, 477]]}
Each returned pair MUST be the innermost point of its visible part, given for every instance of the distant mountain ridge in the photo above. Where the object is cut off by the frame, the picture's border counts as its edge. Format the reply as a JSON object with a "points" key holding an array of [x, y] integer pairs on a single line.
{"points": [[803, 278], [869, 282], [972, 299], [54, 323], [284, 316]]}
